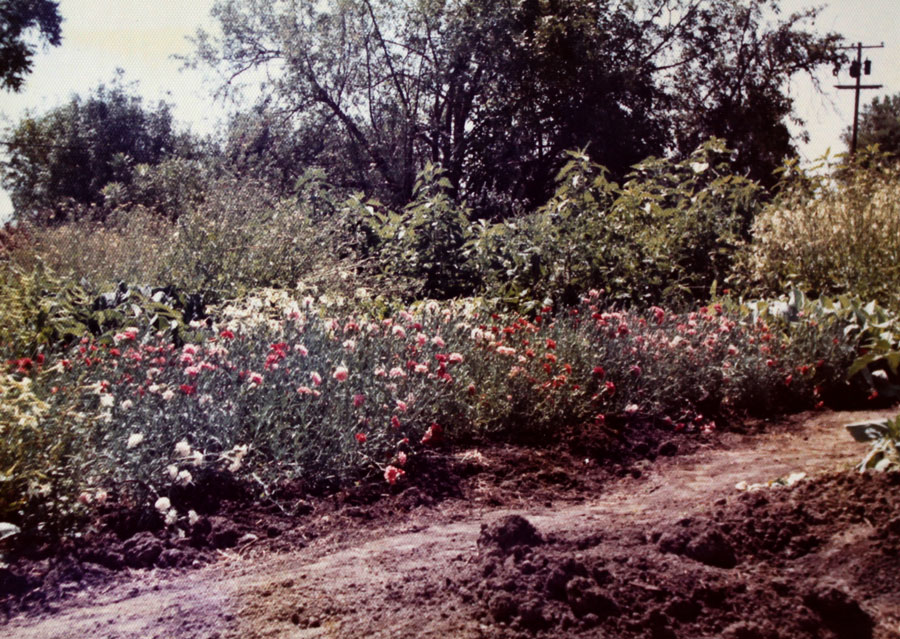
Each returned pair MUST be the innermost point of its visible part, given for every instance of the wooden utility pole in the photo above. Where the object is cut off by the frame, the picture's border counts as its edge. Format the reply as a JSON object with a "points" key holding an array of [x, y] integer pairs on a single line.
{"points": [[857, 69]]}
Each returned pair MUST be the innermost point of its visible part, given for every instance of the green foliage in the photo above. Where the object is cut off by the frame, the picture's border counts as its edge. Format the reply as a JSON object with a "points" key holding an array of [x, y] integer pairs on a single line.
{"points": [[830, 235], [495, 92], [665, 236], [879, 124], [42, 313], [421, 245], [19, 19], [59, 163]]}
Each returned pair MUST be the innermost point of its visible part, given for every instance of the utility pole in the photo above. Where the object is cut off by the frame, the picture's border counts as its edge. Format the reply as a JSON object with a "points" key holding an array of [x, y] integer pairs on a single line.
{"points": [[857, 69]]}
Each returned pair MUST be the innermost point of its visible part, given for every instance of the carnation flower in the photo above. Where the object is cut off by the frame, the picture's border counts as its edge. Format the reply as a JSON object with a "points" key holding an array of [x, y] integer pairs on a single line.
{"points": [[183, 448], [392, 474], [316, 378], [126, 405], [359, 399], [506, 350], [107, 400], [396, 371], [184, 478], [341, 373], [168, 394], [171, 517], [361, 438], [134, 440], [437, 341], [162, 504]]}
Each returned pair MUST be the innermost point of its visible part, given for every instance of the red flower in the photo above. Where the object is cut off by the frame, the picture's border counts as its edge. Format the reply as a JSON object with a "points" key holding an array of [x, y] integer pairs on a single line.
{"points": [[361, 438], [226, 334], [433, 435], [610, 388], [395, 421], [551, 344], [187, 389], [599, 372]]}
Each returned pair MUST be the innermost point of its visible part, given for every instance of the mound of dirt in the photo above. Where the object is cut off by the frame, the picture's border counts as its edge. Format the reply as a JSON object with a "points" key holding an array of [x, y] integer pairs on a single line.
{"points": [[508, 542], [773, 564]]}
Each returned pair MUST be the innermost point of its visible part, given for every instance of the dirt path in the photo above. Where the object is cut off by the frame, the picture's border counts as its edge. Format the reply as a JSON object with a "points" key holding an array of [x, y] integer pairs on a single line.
{"points": [[417, 577]]}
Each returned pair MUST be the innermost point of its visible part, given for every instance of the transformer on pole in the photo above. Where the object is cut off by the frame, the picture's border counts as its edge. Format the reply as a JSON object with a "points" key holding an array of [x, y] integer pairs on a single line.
{"points": [[858, 68]]}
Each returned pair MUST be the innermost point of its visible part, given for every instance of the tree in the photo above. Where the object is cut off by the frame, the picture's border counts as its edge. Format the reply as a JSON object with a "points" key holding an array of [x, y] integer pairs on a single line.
{"points": [[732, 71], [18, 20], [495, 91], [879, 123], [68, 155]]}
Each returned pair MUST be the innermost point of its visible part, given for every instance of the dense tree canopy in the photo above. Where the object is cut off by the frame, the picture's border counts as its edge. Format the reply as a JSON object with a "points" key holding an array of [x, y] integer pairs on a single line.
{"points": [[879, 123], [494, 91], [19, 19], [68, 155]]}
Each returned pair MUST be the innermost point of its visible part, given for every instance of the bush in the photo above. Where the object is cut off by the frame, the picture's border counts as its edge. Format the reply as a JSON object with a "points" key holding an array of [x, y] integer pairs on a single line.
{"points": [[831, 235], [664, 237]]}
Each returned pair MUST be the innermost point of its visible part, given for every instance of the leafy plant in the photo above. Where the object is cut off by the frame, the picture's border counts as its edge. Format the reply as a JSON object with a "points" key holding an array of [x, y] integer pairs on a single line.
{"points": [[830, 234]]}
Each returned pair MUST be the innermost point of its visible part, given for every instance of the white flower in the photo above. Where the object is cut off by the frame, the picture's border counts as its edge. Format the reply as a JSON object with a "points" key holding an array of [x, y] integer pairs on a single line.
{"points": [[162, 504], [184, 478], [168, 394], [171, 517], [183, 448], [127, 404], [193, 517], [107, 400], [135, 440], [198, 458], [172, 469]]}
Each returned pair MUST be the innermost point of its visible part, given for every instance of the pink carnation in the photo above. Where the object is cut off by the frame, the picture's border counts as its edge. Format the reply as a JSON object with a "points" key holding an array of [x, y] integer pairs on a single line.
{"points": [[341, 373], [392, 474]]}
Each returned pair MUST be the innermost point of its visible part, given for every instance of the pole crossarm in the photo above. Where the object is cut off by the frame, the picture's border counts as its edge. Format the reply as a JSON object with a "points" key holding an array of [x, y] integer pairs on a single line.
{"points": [[857, 69]]}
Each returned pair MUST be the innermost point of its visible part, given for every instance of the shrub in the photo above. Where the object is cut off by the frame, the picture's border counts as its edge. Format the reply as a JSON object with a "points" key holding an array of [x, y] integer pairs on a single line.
{"points": [[831, 235], [663, 237]]}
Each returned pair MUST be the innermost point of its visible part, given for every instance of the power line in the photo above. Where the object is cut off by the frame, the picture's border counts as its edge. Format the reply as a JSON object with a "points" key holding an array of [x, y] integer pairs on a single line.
{"points": [[857, 69]]}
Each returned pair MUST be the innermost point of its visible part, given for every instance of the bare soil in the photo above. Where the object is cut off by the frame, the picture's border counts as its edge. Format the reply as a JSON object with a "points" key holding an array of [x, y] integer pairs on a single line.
{"points": [[511, 542]]}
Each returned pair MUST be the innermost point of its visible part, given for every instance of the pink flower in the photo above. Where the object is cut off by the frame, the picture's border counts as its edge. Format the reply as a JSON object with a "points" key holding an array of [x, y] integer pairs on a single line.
{"points": [[395, 421], [401, 406], [341, 373], [255, 379], [359, 399], [421, 368], [300, 348], [306, 390], [192, 371], [610, 388], [397, 372], [399, 332], [361, 438], [392, 474], [506, 350], [316, 378], [401, 458], [455, 358], [437, 341]]}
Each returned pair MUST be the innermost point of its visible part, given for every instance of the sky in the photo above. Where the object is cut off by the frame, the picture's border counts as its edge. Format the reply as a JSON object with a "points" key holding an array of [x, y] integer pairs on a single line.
{"points": [[140, 37]]}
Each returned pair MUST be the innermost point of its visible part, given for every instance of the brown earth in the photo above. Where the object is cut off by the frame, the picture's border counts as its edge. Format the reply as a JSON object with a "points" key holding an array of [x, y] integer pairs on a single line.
{"points": [[513, 542]]}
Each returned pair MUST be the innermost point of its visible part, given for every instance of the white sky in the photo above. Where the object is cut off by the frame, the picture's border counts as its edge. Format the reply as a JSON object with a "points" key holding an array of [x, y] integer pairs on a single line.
{"points": [[140, 36]]}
